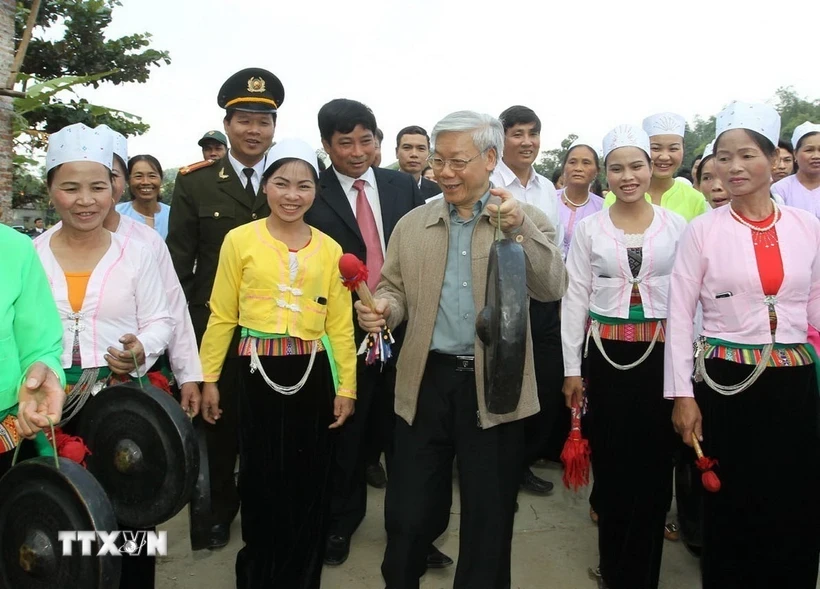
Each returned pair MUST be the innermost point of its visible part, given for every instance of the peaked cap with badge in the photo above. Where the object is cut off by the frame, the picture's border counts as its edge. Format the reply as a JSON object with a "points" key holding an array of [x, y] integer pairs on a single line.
{"points": [[252, 90]]}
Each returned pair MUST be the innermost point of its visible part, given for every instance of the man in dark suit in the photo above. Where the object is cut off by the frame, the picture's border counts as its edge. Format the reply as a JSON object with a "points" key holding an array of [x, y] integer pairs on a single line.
{"points": [[358, 206], [211, 198], [412, 151]]}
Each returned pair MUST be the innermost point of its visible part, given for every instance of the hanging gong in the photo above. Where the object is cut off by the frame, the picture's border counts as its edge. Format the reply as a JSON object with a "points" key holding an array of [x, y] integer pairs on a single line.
{"points": [[502, 326], [199, 508], [36, 502], [689, 499], [143, 451]]}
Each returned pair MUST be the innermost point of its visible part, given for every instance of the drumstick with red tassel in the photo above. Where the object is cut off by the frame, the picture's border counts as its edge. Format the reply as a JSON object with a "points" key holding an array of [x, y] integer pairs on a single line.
{"points": [[710, 480], [575, 454], [354, 277]]}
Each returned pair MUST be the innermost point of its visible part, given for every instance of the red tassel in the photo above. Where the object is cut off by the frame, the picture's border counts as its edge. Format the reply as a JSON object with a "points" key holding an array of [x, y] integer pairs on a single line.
{"points": [[575, 455], [705, 465], [158, 379], [71, 447]]}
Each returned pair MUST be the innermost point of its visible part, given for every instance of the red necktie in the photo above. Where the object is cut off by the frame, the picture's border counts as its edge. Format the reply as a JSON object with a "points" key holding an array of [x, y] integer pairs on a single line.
{"points": [[370, 234]]}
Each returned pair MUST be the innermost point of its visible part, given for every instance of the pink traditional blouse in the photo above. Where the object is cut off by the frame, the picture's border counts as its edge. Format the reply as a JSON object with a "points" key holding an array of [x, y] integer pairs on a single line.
{"points": [[716, 266]]}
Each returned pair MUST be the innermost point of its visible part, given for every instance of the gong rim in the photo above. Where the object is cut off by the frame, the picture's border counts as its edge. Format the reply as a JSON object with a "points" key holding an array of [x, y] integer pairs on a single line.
{"points": [[36, 502], [199, 507], [143, 452]]}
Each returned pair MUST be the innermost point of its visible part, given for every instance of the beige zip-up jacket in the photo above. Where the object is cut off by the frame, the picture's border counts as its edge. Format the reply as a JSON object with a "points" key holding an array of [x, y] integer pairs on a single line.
{"points": [[411, 281]]}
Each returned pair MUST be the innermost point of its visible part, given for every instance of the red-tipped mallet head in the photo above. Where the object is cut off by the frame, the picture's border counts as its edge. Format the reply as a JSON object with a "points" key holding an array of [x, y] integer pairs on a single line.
{"points": [[353, 271]]}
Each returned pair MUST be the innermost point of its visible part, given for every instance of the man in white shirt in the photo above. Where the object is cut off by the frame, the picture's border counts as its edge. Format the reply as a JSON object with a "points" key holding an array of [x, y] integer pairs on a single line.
{"points": [[412, 151], [515, 172]]}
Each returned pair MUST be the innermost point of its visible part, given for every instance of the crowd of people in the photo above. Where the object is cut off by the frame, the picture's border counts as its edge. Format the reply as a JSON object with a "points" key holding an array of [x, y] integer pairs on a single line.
{"points": [[233, 293]]}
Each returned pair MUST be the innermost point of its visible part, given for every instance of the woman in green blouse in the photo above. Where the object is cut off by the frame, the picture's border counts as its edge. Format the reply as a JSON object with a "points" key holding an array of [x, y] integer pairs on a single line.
{"points": [[32, 383]]}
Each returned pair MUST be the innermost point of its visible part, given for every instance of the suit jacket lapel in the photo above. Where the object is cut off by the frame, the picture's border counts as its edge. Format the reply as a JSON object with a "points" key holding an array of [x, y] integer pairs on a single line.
{"points": [[388, 202], [230, 184], [336, 199]]}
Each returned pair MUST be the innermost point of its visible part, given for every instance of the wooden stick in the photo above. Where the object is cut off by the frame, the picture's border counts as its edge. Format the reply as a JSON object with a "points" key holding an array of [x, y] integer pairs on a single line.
{"points": [[365, 296], [21, 50], [696, 444]]}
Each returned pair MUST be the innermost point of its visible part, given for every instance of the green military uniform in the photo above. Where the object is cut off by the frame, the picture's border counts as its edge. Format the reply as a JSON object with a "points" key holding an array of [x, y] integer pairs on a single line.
{"points": [[209, 200]]}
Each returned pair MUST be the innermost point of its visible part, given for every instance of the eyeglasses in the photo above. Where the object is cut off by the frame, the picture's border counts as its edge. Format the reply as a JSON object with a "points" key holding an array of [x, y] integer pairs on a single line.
{"points": [[456, 165]]}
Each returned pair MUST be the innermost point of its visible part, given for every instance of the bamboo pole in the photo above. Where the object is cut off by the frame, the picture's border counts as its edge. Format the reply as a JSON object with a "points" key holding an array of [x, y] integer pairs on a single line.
{"points": [[21, 50]]}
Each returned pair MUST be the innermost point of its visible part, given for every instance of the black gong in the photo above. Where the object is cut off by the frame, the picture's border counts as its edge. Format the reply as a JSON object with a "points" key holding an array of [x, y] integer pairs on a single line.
{"points": [[143, 451], [36, 502], [502, 326]]}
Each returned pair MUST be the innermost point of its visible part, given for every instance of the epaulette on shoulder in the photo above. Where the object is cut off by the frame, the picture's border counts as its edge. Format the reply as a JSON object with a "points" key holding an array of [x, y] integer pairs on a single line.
{"points": [[197, 166]]}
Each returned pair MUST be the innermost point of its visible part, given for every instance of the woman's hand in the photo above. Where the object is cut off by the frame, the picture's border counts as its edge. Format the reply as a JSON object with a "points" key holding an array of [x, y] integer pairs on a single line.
{"points": [[573, 390], [122, 362], [686, 418], [190, 398], [210, 403], [40, 398], [343, 407]]}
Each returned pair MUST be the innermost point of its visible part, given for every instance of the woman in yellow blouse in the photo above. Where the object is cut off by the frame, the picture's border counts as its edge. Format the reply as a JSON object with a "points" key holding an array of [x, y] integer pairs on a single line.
{"points": [[278, 280]]}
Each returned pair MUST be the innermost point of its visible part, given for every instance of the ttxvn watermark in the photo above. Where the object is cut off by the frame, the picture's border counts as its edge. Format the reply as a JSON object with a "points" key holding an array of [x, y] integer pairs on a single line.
{"points": [[128, 542]]}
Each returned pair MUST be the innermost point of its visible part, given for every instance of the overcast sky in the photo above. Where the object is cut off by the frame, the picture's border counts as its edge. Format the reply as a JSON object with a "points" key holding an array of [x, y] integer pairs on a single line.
{"points": [[583, 66]]}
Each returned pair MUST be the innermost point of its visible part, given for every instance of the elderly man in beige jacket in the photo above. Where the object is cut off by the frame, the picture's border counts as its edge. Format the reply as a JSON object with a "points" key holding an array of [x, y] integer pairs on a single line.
{"points": [[434, 278]]}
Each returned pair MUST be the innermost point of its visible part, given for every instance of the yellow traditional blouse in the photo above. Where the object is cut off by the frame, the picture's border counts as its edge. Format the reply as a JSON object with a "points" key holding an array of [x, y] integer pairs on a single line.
{"points": [[253, 289]]}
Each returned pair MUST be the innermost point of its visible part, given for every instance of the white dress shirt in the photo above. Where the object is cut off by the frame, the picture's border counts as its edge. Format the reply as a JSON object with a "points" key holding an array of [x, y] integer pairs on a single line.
{"points": [[239, 168], [600, 279], [372, 193], [538, 192], [125, 295]]}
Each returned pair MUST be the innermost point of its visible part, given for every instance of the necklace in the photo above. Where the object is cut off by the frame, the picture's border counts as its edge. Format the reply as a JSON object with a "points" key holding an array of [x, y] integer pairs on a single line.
{"points": [[572, 204], [760, 235]]}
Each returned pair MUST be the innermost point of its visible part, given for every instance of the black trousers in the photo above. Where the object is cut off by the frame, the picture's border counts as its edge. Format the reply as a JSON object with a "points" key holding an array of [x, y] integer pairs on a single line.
{"points": [[349, 503], [419, 489], [381, 423], [762, 529], [223, 446], [222, 438], [286, 457], [547, 429], [631, 443]]}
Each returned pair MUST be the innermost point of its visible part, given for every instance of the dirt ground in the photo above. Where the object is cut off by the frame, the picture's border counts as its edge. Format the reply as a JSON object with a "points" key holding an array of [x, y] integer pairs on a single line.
{"points": [[554, 546]]}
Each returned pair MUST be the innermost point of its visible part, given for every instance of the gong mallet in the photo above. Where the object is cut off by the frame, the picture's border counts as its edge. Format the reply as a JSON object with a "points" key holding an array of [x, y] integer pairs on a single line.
{"points": [[354, 277], [575, 454], [705, 465]]}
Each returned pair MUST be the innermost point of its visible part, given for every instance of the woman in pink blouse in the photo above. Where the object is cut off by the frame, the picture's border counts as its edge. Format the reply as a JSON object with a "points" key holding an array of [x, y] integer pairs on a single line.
{"points": [[575, 200], [802, 190], [755, 268], [619, 265]]}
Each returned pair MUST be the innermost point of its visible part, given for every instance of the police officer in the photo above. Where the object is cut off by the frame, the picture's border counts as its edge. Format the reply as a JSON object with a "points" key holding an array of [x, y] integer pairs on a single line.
{"points": [[211, 198], [214, 145]]}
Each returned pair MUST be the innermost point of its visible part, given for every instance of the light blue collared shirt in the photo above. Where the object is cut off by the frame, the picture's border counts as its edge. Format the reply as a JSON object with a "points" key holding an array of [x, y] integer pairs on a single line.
{"points": [[454, 331]]}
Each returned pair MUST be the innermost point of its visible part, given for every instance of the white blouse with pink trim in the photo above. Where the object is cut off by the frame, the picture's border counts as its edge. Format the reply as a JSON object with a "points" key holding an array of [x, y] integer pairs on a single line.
{"points": [[125, 295]]}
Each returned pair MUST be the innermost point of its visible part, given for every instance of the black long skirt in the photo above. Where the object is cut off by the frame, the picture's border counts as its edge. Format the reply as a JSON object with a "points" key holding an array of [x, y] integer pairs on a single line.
{"points": [[285, 460], [762, 529], [631, 443]]}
